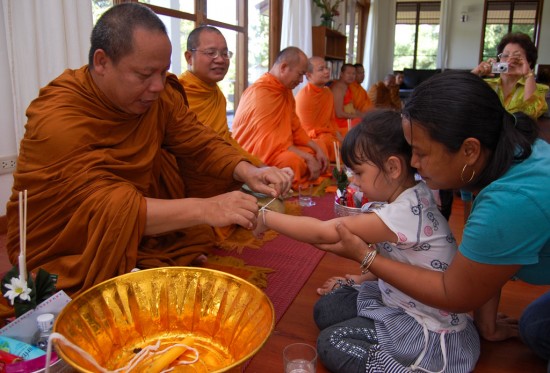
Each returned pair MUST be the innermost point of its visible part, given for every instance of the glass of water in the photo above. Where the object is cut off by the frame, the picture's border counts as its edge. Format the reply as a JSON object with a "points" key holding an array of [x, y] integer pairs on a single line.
{"points": [[305, 194], [300, 358]]}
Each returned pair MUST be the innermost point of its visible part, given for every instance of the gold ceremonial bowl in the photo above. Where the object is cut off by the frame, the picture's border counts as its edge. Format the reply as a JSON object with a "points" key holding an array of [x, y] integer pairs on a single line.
{"points": [[226, 318]]}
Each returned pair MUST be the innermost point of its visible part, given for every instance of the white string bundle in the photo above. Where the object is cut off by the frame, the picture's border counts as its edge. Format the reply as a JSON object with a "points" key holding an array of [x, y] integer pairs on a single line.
{"points": [[145, 353]]}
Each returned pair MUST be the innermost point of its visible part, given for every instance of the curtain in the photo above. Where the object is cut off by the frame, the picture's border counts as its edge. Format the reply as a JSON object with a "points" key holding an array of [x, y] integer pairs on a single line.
{"points": [[443, 43], [378, 57], [43, 38], [296, 28]]}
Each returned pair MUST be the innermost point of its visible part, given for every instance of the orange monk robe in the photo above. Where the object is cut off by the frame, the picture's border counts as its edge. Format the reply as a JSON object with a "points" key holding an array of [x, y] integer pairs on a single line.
{"points": [[383, 97], [209, 104], [345, 124], [360, 97], [315, 108], [88, 168], [266, 125]]}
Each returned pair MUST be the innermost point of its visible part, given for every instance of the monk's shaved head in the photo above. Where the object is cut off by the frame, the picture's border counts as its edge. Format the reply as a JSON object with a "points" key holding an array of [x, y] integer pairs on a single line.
{"points": [[290, 67], [290, 55], [193, 40], [315, 60]]}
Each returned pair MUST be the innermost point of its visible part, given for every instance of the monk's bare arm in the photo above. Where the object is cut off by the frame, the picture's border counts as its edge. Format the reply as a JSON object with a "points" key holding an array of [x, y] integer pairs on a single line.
{"points": [[165, 215], [338, 92]]}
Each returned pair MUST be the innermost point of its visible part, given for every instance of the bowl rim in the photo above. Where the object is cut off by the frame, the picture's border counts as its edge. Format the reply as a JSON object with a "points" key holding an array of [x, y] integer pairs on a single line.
{"points": [[237, 363]]}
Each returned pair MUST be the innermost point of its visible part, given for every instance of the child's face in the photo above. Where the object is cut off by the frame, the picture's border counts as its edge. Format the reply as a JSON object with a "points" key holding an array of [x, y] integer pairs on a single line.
{"points": [[370, 179]]}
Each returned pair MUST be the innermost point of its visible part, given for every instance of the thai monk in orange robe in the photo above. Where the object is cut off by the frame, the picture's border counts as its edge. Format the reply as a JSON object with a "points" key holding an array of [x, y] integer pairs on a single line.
{"points": [[385, 94], [347, 115], [315, 107], [207, 101], [266, 123], [100, 160], [360, 97]]}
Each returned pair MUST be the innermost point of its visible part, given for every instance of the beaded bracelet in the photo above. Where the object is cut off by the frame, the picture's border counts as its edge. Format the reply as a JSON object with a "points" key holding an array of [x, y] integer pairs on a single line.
{"points": [[368, 259]]}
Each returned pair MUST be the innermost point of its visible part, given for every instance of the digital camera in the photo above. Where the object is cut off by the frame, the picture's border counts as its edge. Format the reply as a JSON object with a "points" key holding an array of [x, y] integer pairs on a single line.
{"points": [[499, 68]]}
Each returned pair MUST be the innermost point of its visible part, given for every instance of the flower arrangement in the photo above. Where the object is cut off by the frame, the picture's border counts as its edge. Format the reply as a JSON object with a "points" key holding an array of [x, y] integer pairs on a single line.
{"points": [[26, 295], [26, 292], [328, 9]]}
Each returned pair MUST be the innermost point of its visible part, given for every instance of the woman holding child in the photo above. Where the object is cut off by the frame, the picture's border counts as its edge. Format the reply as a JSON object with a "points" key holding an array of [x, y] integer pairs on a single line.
{"points": [[463, 138]]}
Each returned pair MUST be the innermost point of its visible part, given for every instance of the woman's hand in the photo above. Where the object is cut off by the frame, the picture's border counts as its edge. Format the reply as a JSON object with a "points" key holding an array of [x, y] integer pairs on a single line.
{"points": [[484, 68], [350, 246]]}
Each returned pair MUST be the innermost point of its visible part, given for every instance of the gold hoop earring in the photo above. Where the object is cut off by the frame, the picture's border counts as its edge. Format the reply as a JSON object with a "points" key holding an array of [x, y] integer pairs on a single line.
{"points": [[462, 174]]}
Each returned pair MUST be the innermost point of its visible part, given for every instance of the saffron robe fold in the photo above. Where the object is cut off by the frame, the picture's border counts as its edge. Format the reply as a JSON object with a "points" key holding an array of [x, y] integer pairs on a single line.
{"points": [[345, 124], [384, 97], [88, 167], [266, 125], [209, 104], [360, 97], [315, 108]]}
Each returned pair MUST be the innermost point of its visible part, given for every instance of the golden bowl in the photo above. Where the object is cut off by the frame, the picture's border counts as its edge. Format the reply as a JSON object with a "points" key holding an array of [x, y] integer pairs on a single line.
{"points": [[226, 318]]}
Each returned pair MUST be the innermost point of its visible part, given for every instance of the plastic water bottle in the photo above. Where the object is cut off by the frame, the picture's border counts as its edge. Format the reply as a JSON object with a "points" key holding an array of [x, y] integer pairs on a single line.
{"points": [[45, 326]]}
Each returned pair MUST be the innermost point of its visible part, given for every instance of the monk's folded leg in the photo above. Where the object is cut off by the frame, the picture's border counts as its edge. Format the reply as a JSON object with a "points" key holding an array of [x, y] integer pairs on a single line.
{"points": [[296, 163], [178, 248]]}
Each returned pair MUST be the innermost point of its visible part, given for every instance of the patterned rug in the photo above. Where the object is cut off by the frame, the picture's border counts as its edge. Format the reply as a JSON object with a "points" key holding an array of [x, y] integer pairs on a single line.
{"points": [[282, 265]]}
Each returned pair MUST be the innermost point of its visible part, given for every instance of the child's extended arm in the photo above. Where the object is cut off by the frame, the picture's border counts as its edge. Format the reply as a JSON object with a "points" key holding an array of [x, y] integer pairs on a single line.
{"points": [[306, 229]]}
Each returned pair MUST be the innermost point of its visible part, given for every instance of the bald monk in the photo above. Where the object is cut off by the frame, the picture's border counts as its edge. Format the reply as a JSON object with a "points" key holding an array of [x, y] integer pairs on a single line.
{"points": [[347, 115], [315, 107], [101, 160], [361, 99], [208, 59], [266, 123]]}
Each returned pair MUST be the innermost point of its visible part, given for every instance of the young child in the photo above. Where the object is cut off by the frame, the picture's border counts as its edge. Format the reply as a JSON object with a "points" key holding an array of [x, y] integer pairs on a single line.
{"points": [[375, 326]]}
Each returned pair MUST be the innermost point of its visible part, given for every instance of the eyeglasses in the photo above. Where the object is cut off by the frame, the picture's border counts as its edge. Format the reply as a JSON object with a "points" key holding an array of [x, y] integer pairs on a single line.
{"points": [[506, 56], [214, 53]]}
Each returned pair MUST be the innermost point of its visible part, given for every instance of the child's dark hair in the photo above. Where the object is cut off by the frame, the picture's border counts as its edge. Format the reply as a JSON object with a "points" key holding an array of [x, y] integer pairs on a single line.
{"points": [[378, 137]]}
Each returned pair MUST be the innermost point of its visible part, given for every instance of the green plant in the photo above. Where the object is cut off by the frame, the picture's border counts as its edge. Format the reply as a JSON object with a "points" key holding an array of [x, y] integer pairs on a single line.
{"points": [[328, 9]]}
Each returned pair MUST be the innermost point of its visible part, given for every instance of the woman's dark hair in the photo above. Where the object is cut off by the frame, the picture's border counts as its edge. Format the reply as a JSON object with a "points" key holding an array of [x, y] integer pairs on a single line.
{"points": [[453, 106], [114, 31], [375, 139], [524, 42]]}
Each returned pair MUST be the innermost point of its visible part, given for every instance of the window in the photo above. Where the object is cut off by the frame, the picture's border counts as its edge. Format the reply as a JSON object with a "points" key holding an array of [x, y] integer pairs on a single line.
{"points": [[502, 17], [245, 25], [416, 35], [356, 21]]}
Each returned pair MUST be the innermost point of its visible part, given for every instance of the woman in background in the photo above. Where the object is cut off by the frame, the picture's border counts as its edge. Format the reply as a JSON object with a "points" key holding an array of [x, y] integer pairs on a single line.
{"points": [[516, 87]]}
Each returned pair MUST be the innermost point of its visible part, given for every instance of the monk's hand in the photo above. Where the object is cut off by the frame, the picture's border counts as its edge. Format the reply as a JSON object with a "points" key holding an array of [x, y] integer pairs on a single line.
{"points": [[271, 181], [231, 208], [314, 167], [323, 160], [350, 246]]}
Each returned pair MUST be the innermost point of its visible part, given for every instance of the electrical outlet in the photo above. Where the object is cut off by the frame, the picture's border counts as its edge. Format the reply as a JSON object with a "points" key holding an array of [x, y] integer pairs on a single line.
{"points": [[7, 164]]}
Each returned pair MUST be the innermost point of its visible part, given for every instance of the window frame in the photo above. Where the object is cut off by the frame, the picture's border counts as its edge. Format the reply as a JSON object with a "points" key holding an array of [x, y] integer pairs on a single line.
{"points": [[418, 4], [538, 20]]}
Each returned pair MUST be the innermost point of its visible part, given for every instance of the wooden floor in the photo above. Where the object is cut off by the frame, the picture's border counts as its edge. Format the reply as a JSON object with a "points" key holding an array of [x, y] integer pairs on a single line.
{"points": [[297, 323]]}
